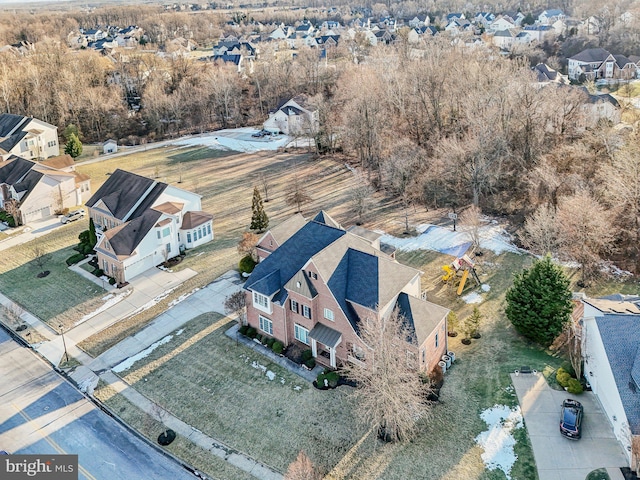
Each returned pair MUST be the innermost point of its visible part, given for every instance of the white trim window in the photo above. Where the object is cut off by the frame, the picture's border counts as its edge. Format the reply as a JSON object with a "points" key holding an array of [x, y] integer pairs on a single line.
{"points": [[306, 311], [328, 314], [266, 325], [301, 334], [294, 306], [261, 302]]}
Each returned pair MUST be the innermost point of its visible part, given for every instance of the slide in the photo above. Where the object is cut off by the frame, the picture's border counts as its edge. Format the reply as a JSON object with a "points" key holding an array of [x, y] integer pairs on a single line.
{"points": [[463, 281]]}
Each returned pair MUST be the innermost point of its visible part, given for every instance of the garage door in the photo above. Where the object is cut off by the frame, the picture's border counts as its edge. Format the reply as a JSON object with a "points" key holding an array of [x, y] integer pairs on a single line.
{"points": [[138, 267], [37, 214]]}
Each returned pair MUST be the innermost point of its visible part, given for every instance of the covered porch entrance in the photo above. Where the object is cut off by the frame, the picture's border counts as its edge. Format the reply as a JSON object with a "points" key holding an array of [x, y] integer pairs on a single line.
{"points": [[328, 338]]}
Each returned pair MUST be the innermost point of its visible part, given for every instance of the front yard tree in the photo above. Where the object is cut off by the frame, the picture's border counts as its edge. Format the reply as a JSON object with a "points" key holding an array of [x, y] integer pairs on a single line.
{"points": [[259, 219], [247, 245], [539, 302], [302, 469], [236, 304], [73, 146], [390, 396], [296, 194], [40, 258]]}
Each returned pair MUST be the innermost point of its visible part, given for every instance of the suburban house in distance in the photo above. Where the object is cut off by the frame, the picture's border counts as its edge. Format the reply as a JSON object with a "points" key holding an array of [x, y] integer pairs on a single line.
{"points": [[295, 116], [611, 328], [27, 137], [316, 282], [42, 189], [141, 223], [597, 63]]}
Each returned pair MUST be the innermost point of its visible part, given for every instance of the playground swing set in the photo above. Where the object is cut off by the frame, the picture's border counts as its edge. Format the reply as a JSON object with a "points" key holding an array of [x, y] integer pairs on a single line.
{"points": [[461, 266]]}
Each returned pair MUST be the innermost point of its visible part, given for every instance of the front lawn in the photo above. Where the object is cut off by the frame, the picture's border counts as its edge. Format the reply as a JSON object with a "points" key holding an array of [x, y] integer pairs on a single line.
{"points": [[63, 296], [224, 389]]}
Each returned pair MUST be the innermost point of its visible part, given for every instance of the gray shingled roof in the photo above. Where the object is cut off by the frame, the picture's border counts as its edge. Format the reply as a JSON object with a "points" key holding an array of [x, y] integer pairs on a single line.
{"points": [[591, 55], [127, 238], [620, 334], [14, 169], [325, 335], [121, 192]]}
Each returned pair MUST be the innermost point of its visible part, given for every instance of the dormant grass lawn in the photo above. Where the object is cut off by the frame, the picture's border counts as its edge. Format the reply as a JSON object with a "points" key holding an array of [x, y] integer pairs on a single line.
{"points": [[62, 297], [208, 380]]}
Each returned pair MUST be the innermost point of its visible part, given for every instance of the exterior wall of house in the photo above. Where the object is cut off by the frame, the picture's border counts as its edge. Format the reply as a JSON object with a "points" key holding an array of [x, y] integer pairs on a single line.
{"points": [[267, 245], [196, 236], [598, 373], [277, 122], [44, 145], [45, 198], [431, 352]]}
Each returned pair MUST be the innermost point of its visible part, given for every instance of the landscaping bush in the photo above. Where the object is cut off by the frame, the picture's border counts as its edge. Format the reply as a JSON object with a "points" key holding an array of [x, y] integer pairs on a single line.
{"points": [[112, 281], [333, 379], [270, 342], [5, 217], [246, 264], [562, 377], [306, 355], [574, 386], [259, 337], [98, 272], [277, 347], [243, 329], [73, 259], [251, 332], [310, 363], [265, 340]]}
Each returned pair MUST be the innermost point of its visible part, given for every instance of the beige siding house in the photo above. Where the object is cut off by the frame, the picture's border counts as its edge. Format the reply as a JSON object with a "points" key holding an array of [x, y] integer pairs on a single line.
{"points": [[27, 137]]}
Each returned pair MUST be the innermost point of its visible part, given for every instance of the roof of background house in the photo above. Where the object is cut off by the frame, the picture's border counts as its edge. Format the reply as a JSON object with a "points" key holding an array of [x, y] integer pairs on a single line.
{"points": [[591, 55], [60, 162], [194, 219], [14, 169], [421, 316], [26, 185], [126, 237], [614, 305], [545, 73], [619, 334], [235, 59], [121, 192], [283, 231], [621, 60]]}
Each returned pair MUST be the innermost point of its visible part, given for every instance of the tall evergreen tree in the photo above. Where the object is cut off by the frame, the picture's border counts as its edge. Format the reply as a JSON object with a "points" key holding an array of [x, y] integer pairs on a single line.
{"points": [[73, 146], [259, 219], [539, 302], [93, 239]]}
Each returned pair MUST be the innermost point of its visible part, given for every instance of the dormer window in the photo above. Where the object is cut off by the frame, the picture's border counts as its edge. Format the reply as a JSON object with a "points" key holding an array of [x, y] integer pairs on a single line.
{"points": [[261, 302]]}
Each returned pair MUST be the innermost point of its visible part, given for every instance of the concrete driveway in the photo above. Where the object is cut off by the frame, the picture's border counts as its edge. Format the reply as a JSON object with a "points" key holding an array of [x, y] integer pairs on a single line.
{"points": [[558, 458]]}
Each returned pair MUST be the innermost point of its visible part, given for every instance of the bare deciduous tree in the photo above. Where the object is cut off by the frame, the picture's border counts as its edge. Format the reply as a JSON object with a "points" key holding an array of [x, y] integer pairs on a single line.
{"points": [[247, 246], [40, 257], [390, 396], [236, 303], [471, 219], [569, 343], [302, 469], [296, 194], [266, 185], [361, 192], [541, 232]]}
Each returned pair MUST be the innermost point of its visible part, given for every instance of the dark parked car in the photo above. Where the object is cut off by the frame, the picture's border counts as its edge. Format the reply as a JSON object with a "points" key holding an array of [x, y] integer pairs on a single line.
{"points": [[571, 419]]}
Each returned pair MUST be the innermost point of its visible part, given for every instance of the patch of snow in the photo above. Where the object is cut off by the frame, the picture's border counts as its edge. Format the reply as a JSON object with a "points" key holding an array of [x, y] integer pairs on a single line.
{"points": [[282, 380], [485, 287], [498, 440], [161, 267], [128, 363], [87, 385], [473, 297], [238, 140], [173, 303], [444, 240], [111, 300], [258, 366], [270, 375], [151, 302], [108, 297], [179, 331], [297, 388]]}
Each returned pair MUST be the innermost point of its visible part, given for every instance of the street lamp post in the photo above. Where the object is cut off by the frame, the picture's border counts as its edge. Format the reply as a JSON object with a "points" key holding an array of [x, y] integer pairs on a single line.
{"points": [[64, 344]]}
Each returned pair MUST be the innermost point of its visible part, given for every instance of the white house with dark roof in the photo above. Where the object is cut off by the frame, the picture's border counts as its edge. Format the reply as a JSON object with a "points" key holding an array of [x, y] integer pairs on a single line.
{"points": [[598, 63], [41, 189], [316, 282], [295, 116], [27, 137], [142, 223], [611, 341]]}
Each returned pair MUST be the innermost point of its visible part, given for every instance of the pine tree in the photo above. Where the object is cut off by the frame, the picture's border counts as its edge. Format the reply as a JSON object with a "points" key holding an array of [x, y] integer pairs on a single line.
{"points": [[472, 323], [259, 219], [93, 239], [73, 146], [539, 302]]}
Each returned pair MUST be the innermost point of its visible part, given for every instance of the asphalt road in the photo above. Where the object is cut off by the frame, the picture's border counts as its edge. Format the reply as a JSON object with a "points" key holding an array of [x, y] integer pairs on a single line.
{"points": [[42, 413]]}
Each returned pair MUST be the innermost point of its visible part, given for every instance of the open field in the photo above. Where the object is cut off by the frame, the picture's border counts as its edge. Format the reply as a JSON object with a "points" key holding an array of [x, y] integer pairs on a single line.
{"points": [[60, 298], [208, 380], [226, 181]]}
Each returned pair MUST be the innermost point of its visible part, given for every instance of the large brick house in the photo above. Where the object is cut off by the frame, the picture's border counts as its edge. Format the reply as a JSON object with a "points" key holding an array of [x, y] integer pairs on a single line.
{"points": [[316, 282], [598, 63]]}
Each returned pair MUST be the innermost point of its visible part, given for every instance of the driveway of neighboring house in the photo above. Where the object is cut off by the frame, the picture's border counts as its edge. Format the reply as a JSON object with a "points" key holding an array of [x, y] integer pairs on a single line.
{"points": [[33, 230], [558, 458]]}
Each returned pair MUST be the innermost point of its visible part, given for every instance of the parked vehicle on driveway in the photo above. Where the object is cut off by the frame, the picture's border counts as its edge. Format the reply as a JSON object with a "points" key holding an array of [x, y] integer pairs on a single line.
{"points": [[72, 216], [571, 419]]}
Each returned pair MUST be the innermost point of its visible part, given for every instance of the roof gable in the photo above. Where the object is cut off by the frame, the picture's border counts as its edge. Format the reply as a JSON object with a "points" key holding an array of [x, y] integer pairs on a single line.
{"points": [[14, 169], [130, 234], [121, 192]]}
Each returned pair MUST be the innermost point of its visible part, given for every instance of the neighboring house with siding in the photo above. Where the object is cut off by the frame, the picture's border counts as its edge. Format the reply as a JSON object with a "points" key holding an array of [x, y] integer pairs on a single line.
{"points": [[41, 189], [611, 329], [27, 137], [142, 223], [316, 282], [599, 64], [295, 116]]}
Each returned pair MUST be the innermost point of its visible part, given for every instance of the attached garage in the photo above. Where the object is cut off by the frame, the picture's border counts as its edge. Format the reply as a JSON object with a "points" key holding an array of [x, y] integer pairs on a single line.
{"points": [[136, 268], [38, 214]]}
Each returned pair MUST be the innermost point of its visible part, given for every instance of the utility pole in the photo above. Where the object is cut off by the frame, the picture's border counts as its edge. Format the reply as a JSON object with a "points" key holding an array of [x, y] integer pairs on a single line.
{"points": [[64, 344]]}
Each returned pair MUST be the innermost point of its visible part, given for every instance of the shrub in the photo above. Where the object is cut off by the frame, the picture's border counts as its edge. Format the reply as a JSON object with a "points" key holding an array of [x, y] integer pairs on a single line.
{"points": [[270, 342], [251, 332], [277, 347], [112, 281], [563, 379], [306, 355], [246, 264], [310, 363], [75, 258], [243, 329], [333, 379], [265, 340], [259, 337], [98, 272], [574, 386]]}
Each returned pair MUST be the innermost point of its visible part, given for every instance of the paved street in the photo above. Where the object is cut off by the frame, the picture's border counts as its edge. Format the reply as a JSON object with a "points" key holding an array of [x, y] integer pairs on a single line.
{"points": [[42, 413], [558, 458]]}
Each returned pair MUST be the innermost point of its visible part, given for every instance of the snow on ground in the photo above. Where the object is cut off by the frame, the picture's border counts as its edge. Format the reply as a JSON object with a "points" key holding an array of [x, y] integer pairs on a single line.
{"points": [[485, 287], [270, 375], [444, 240], [238, 140], [498, 440], [110, 301], [473, 297], [173, 303], [128, 363], [151, 302]]}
